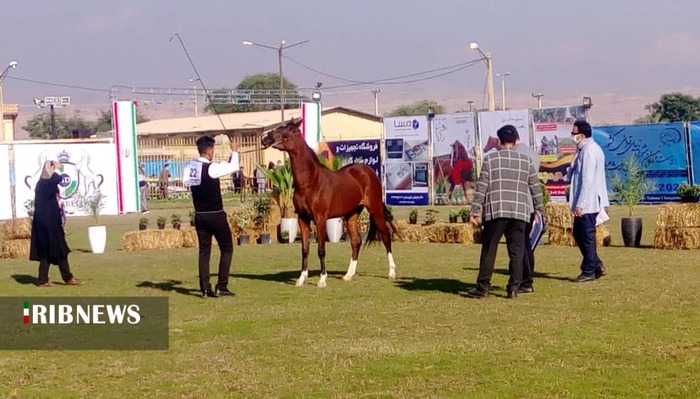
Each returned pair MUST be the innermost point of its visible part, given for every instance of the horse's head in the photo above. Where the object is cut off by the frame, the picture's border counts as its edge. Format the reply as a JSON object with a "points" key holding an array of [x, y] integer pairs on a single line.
{"points": [[284, 138]]}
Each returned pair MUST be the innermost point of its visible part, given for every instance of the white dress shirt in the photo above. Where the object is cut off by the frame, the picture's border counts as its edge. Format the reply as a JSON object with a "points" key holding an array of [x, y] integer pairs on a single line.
{"points": [[219, 169]]}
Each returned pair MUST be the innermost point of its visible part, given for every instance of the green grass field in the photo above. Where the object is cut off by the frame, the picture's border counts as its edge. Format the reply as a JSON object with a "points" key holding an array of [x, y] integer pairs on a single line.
{"points": [[632, 334]]}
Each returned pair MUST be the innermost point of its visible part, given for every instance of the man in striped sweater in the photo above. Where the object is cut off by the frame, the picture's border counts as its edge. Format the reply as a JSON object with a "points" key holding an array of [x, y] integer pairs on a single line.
{"points": [[507, 190]]}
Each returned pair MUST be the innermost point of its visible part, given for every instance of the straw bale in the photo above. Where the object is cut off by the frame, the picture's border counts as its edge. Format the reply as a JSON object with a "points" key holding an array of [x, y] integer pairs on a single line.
{"points": [[563, 237], [152, 239], [678, 215], [558, 215], [455, 233], [189, 238], [15, 249], [677, 238], [14, 229]]}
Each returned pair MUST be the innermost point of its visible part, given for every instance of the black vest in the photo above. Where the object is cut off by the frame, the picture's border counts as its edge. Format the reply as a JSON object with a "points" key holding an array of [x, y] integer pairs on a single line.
{"points": [[207, 196]]}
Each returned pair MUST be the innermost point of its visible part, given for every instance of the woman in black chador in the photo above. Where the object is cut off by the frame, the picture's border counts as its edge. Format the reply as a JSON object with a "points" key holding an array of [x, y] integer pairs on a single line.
{"points": [[48, 242]]}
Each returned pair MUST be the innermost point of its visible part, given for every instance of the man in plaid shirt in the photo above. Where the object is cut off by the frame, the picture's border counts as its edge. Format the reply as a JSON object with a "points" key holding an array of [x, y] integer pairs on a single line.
{"points": [[508, 188]]}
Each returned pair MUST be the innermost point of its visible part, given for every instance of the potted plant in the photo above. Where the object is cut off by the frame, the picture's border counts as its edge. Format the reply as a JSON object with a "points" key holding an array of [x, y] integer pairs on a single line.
{"points": [[143, 223], [283, 191], [175, 221], [413, 216], [190, 215], [546, 197], [464, 215], [453, 216], [96, 234], [688, 193], [430, 217], [630, 184], [243, 219], [262, 215], [161, 222]]}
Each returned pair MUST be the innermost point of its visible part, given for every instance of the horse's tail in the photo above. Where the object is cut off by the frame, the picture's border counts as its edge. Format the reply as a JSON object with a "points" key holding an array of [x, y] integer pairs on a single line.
{"points": [[374, 234]]}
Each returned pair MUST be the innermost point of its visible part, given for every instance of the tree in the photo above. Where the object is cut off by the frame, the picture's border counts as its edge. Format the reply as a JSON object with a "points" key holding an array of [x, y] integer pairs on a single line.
{"points": [[673, 107], [39, 126], [104, 120], [418, 108], [259, 81]]}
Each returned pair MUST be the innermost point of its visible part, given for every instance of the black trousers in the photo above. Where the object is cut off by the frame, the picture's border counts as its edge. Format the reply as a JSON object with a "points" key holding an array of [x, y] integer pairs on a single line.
{"points": [[208, 225], [514, 231], [528, 257], [584, 234], [63, 266]]}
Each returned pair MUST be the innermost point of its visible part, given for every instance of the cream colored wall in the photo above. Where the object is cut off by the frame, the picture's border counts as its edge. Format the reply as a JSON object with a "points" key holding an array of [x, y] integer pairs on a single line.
{"points": [[8, 133], [339, 126]]}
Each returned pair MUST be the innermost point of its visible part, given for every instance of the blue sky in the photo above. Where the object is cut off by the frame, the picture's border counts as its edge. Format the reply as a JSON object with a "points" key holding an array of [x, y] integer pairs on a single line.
{"points": [[557, 47]]}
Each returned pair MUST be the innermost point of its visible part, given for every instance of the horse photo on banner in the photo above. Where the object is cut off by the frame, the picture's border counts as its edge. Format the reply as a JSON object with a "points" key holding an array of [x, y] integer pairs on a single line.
{"points": [[663, 146], [454, 158], [553, 142], [491, 121]]}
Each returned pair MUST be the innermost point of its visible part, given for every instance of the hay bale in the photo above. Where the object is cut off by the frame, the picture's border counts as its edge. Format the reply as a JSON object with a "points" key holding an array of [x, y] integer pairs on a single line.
{"points": [[563, 237], [189, 238], [15, 249], [453, 233], [558, 215], [15, 229], [152, 239], [678, 215], [677, 237]]}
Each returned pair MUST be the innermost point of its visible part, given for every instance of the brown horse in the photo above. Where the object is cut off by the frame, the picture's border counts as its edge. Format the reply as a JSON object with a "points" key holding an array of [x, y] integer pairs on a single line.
{"points": [[320, 194]]}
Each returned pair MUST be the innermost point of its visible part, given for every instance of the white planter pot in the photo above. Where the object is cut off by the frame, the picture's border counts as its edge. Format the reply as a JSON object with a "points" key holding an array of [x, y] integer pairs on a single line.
{"points": [[98, 238], [334, 229], [290, 225]]}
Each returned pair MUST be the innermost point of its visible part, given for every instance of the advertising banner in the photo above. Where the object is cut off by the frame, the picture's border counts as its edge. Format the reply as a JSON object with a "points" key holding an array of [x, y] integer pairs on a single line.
{"points": [[553, 142], [660, 148], [491, 121], [87, 168], [406, 165], [454, 158], [694, 130], [5, 194], [355, 151]]}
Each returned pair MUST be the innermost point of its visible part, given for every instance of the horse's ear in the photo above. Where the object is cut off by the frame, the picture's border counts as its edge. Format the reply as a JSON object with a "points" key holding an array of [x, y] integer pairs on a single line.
{"points": [[296, 122]]}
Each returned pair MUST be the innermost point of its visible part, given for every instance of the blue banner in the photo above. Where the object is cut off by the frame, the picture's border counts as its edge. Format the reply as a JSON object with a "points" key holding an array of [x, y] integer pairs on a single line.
{"points": [[664, 145], [695, 150], [407, 199], [356, 151]]}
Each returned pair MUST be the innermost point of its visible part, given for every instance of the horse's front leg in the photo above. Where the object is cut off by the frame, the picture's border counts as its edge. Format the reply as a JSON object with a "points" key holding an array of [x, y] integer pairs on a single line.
{"points": [[321, 240], [305, 229]]}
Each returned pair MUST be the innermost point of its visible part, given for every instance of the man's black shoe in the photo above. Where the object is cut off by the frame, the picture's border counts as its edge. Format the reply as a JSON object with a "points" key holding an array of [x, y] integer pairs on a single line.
{"points": [[209, 294], [477, 293], [526, 290], [600, 271], [223, 291], [582, 278], [511, 293]]}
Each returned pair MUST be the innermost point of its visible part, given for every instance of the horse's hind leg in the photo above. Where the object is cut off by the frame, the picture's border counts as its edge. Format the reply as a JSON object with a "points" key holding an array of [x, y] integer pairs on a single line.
{"points": [[377, 214], [355, 242], [321, 240], [305, 229]]}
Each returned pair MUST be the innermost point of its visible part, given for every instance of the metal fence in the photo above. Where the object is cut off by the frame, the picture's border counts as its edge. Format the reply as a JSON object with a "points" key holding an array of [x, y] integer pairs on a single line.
{"points": [[155, 152]]}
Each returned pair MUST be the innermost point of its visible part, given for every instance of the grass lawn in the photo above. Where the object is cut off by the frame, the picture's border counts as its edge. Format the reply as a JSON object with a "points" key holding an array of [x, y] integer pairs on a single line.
{"points": [[632, 334]]}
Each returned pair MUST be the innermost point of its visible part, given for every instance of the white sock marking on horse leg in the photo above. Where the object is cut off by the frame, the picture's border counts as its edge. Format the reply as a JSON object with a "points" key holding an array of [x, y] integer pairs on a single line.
{"points": [[322, 281], [351, 270], [392, 266], [302, 278]]}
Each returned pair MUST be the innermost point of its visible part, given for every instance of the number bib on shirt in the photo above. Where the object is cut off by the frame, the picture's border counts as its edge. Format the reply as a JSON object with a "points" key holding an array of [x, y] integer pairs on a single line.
{"points": [[192, 174]]}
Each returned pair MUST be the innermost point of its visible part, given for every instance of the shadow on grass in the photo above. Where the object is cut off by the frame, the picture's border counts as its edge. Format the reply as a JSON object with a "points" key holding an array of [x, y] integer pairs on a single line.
{"points": [[446, 285], [25, 279], [289, 276], [535, 275], [83, 250], [169, 286]]}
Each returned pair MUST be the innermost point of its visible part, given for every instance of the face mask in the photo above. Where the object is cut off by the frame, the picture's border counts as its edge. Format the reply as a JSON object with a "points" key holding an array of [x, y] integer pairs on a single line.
{"points": [[578, 138]]}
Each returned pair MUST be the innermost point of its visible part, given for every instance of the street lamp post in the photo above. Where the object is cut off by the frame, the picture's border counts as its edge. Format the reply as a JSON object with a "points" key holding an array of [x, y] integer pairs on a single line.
{"points": [[3, 75], [280, 54], [489, 75], [538, 96], [503, 88], [470, 102], [376, 101], [194, 83]]}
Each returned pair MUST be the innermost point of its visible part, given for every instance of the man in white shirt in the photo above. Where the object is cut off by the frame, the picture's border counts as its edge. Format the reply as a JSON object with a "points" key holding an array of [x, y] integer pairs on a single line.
{"points": [[202, 176], [143, 188]]}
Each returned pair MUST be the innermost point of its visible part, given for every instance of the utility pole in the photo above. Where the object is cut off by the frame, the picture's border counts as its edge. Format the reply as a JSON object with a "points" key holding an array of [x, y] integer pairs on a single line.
{"points": [[376, 101], [470, 102], [538, 96], [194, 81]]}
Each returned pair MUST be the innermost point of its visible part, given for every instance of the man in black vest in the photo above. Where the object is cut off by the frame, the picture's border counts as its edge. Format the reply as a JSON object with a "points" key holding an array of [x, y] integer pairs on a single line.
{"points": [[210, 218]]}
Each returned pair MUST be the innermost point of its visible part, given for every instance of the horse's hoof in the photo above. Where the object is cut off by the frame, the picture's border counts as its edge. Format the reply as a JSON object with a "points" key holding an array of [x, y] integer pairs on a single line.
{"points": [[392, 276], [321, 284], [347, 277], [299, 283]]}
